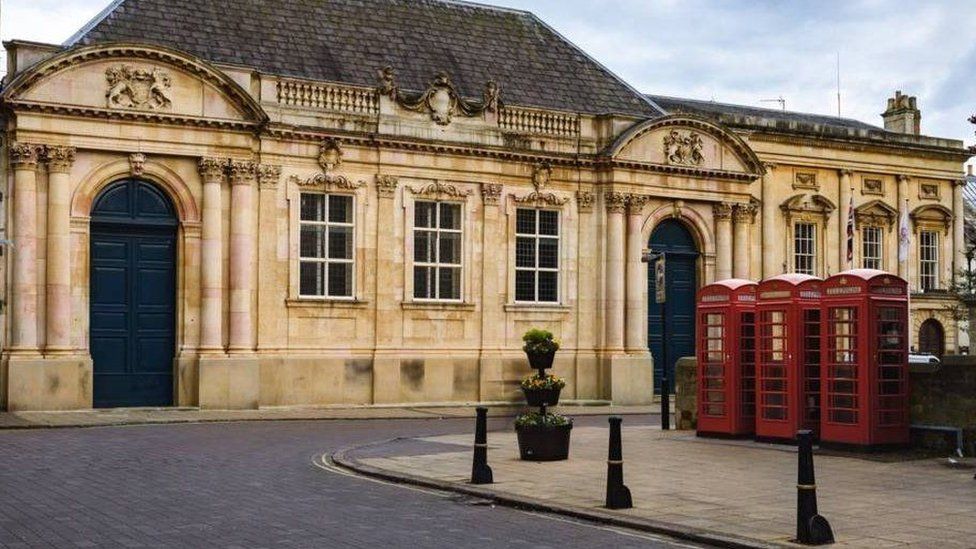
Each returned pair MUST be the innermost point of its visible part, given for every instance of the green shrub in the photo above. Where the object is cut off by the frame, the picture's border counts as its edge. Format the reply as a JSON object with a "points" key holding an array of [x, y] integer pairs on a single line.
{"points": [[539, 341], [535, 419]]}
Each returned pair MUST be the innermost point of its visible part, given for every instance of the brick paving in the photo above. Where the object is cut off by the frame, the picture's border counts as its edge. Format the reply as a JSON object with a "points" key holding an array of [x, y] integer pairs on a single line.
{"points": [[249, 484], [738, 489]]}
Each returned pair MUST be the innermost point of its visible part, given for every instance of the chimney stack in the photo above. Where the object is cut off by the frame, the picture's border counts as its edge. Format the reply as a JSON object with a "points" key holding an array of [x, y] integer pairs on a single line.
{"points": [[902, 115]]}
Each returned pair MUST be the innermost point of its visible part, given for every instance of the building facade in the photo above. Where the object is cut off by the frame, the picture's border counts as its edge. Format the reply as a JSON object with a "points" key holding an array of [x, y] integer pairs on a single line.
{"points": [[202, 211]]}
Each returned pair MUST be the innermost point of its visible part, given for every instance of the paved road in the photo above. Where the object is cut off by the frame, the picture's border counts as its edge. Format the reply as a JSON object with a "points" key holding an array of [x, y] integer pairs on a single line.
{"points": [[249, 485]]}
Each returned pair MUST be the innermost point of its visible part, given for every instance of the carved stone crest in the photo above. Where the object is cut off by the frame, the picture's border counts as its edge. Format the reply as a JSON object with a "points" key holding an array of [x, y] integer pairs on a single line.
{"points": [[872, 186], [138, 88], [683, 149], [928, 191], [490, 193], [330, 155], [541, 175], [805, 180], [441, 99]]}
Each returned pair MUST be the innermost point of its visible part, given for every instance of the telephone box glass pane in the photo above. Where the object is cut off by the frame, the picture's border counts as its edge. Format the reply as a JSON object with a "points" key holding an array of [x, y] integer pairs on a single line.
{"points": [[773, 401], [713, 364], [892, 358], [747, 362], [842, 367]]}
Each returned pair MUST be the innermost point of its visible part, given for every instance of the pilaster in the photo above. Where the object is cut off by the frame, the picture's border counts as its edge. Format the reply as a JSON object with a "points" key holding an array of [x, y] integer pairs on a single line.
{"points": [[59, 160], [722, 213], [23, 310], [241, 326], [771, 262], [636, 275], [211, 258], [616, 204], [742, 217]]}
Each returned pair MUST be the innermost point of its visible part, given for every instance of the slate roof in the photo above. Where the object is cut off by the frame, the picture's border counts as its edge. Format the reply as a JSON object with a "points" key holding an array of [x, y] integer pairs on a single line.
{"points": [[348, 41]]}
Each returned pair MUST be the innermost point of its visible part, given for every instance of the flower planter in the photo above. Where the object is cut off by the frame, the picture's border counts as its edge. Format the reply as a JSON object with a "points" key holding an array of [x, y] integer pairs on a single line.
{"points": [[541, 361], [541, 397], [544, 443]]}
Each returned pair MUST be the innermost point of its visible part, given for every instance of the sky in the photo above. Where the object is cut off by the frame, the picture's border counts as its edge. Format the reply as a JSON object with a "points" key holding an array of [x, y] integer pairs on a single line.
{"points": [[730, 51]]}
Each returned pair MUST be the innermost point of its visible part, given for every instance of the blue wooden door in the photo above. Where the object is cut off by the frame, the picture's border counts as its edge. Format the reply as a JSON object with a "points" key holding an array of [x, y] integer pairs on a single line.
{"points": [[133, 295], [681, 275]]}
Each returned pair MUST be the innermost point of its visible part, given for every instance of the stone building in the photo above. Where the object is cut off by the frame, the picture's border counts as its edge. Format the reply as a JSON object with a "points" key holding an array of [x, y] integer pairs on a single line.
{"points": [[238, 204]]}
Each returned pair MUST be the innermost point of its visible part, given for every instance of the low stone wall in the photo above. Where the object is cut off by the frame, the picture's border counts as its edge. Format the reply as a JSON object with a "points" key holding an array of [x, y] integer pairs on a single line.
{"points": [[946, 396], [686, 393]]}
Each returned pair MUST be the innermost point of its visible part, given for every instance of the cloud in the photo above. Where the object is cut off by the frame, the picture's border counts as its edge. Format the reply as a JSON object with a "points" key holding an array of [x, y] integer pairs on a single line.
{"points": [[740, 52]]}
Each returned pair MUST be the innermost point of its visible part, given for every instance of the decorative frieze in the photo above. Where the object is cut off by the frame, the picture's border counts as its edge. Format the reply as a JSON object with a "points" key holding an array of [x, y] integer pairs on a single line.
{"points": [[131, 88], [59, 158], [24, 155], [211, 168], [241, 172], [872, 186], [491, 193], [584, 200], [327, 182], [137, 164], [805, 180], [438, 190], [268, 176], [441, 99], [928, 191], [615, 202], [538, 199], [386, 185], [685, 149], [328, 97]]}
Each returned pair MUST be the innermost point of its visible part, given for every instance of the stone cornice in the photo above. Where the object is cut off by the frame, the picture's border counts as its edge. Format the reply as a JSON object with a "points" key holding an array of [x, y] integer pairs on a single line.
{"points": [[130, 116], [862, 145]]}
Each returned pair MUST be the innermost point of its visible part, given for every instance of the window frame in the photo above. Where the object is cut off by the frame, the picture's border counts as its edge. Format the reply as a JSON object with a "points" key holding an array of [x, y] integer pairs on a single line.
{"points": [[934, 261], [352, 261], [879, 243], [437, 265], [814, 241], [536, 237]]}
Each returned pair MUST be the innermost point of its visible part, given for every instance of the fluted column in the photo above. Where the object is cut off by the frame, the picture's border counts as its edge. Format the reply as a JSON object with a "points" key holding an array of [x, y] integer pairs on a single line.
{"points": [[844, 192], [958, 227], [616, 204], [23, 311], [769, 237], [722, 213], [58, 319], [636, 274], [742, 217], [242, 177], [211, 258], [902, 211]]}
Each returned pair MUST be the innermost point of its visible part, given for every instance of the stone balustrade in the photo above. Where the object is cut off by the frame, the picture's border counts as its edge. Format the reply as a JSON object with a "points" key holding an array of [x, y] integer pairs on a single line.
{"points": [[533, 121], [329, 97]]}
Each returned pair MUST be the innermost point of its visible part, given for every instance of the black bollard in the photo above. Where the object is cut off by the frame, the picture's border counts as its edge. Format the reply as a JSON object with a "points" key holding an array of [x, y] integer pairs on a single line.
{"points": [[480, 472], [618, 495], [811, 528]]}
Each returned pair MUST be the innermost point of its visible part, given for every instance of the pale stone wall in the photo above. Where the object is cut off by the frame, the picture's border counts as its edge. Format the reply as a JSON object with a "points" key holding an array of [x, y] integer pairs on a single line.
{"points": [[235, 150]]}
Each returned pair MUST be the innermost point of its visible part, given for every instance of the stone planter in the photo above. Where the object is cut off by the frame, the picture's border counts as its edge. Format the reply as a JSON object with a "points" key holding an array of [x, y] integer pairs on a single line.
{"points": [[544, 443], [541, 397], [541, 361]]}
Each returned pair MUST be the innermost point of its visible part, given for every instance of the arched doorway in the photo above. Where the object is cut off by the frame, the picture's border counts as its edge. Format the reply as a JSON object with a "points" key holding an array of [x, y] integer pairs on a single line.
{"points": [[673, 238], [133, 295], [931, 338]]}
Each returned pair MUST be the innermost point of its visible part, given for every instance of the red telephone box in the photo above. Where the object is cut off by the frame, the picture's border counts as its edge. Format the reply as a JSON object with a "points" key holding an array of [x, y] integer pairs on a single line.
{"points": [[726, 358], [788, 356], [865, 359]]}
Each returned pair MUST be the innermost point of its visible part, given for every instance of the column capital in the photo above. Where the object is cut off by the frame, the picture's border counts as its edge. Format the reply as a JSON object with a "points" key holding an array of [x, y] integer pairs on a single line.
{"points": [[491, 193], [769, 167], [745, 212], [386, 185], [616, 202], [958, 182], [722, 210], [845, 172], [211, 169], [241, 172], [902, 178], [59, 158], [268, 176], [584, 201], [24, 155], [636, 203]]}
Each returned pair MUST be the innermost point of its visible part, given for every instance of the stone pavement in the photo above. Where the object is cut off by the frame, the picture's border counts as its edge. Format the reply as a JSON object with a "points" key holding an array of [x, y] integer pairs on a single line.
{"points": [[727, 491], [138, 416]]}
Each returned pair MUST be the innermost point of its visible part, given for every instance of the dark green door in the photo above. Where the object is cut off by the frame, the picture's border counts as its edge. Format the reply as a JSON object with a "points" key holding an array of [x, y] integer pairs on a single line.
{"points": [[681, 274], [133, 295]]}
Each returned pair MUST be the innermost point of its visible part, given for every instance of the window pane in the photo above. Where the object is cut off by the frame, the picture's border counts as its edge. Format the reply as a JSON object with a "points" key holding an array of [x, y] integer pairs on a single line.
{"points": [[525, 221], [548, 286], [340, 242], [449, 281], [312, 241], [313, 207], [549, 223], [450, 248], [548, 253], [524, 252], [312, 278], [423, 246], [525, 285], [340, 209], [340, 279], [423, 282], [423, 214], [450, 216]]}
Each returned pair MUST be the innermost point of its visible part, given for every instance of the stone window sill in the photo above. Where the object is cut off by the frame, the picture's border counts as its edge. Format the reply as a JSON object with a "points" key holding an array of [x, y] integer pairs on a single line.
{"points": [[437, 306], [537, 308], [311, 302]]}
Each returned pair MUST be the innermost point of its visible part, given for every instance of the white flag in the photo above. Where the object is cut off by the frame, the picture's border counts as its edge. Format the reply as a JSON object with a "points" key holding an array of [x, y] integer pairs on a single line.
{"points": [[903, 237]]}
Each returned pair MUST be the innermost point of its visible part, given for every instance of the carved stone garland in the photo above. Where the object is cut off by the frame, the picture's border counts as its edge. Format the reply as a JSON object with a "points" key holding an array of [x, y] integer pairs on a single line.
{"points": [[330, 158], [441, 99], [541, 174], [438, 190]]}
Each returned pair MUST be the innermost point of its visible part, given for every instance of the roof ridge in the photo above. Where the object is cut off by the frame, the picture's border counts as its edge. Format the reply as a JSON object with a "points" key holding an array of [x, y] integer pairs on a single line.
{"points": [[723, 103], [489, 7], [74, 38]]}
